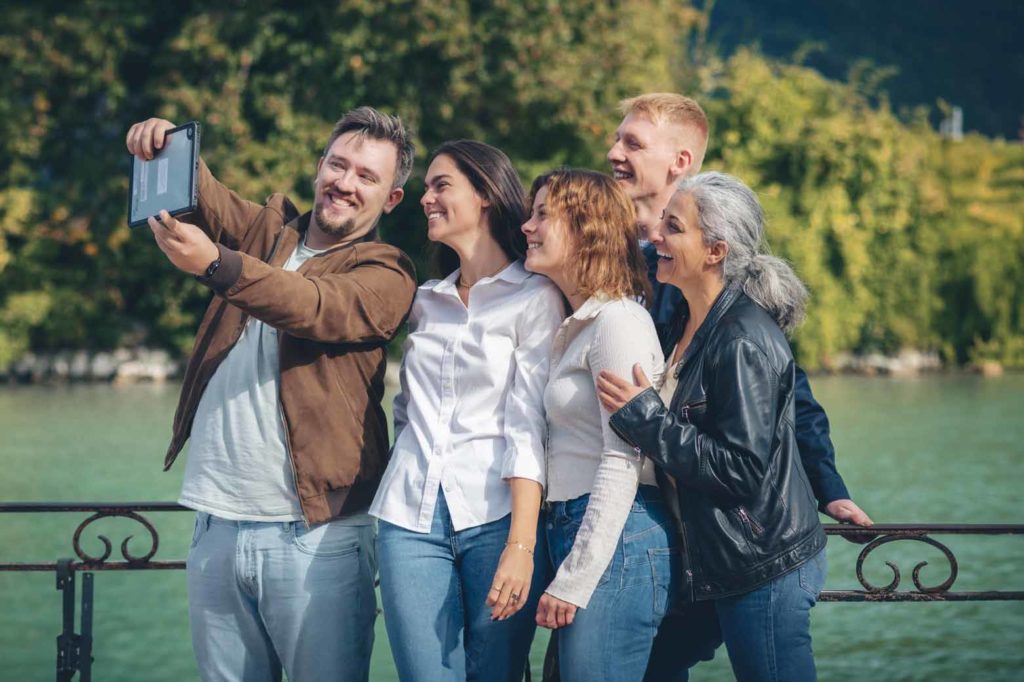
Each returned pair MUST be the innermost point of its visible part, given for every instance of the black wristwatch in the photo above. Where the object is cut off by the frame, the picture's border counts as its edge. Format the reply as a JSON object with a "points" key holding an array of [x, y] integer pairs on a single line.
{"points": [[210, 269]]}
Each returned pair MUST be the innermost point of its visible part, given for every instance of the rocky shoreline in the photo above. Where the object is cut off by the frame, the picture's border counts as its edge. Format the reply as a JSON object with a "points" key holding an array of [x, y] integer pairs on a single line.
{"points": [[124, 365], [134, 365]]}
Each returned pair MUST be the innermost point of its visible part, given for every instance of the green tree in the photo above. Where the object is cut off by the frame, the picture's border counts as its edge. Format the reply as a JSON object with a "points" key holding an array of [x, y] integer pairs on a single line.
{"points": [[267, 81]]}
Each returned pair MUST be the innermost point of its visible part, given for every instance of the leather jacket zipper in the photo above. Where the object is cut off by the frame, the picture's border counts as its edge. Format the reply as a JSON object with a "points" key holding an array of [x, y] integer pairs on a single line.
{"points": [[691, 596], [686, 408], [755, 527]]}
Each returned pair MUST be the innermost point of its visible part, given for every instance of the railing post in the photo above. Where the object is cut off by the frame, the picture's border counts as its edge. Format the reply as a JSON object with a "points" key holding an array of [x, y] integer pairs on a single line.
{"points": [[85, 642], [67, 641], [74, 651]]}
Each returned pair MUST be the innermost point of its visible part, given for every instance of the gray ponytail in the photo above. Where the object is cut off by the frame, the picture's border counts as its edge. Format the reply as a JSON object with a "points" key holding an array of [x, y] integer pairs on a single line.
{"points": [[729, 212]]}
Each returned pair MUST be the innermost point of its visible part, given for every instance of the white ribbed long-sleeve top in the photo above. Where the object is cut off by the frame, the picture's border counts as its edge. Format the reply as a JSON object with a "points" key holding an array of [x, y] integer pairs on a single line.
{"points": [[584, 454]]}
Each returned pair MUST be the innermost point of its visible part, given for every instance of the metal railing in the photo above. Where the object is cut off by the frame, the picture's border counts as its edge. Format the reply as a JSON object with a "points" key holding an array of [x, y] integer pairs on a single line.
{"points": [[74, 648]]}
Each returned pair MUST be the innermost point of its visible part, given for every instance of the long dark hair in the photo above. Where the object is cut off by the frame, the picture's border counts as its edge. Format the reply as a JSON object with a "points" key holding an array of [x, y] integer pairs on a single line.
{"points": [[491, 174]]}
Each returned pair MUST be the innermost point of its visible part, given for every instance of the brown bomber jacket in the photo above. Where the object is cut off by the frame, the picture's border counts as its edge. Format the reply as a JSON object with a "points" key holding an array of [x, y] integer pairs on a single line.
{"points": [[335, 316]]}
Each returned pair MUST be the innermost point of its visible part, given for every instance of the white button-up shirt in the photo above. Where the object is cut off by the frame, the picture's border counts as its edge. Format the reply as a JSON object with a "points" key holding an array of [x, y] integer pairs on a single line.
{"points": [[470, 412]]}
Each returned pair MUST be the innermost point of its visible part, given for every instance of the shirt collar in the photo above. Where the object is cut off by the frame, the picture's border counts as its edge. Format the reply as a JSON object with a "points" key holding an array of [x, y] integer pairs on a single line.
{"points": [[514, 273], [592, 306]]}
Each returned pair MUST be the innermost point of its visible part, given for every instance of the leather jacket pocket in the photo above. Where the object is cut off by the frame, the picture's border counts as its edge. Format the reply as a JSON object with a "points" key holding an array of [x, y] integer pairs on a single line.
{"points": [[694, 412], [749, 524]]}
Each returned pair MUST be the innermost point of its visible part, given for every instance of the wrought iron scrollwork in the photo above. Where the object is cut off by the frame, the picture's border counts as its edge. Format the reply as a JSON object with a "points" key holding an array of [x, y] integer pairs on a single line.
{"points": [[108, 546], [916, 574]]}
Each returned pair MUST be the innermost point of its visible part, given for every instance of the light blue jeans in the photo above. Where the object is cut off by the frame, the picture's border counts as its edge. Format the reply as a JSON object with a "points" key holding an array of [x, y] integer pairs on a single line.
{"points": [[611, 638], [267, 596], [434, 589]]}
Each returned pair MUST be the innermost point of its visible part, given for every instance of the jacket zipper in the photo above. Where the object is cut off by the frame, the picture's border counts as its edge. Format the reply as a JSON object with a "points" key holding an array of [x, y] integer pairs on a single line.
{"points": [[691, 596], [686, 408], [280, 408], [288, 446], [754, 526]]}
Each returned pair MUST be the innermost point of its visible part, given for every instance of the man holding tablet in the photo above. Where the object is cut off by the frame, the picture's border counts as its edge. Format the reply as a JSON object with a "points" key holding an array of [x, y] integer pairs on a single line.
{"points": [[282, 403]]}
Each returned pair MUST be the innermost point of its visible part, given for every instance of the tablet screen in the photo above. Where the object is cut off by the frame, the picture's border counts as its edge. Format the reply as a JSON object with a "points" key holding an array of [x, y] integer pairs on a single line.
{"points": [[167, 182]]}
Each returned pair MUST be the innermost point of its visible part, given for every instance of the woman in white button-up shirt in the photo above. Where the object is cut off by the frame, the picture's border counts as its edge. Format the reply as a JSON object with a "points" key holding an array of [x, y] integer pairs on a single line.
{"points": [[459, 502], [607, 528]]}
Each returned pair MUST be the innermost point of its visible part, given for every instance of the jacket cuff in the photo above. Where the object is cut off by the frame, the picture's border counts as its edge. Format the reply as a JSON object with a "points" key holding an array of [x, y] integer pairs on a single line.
{"points": [[229, 271], [637, 412], [832, 489]]}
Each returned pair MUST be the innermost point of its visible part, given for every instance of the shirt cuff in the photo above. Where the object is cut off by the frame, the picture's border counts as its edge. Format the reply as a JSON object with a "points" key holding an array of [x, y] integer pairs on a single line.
{"points": [[519, 465], [577, 598]]}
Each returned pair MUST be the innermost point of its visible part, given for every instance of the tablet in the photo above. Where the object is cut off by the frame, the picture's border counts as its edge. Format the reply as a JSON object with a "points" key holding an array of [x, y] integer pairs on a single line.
{"points": [[169, 181]]}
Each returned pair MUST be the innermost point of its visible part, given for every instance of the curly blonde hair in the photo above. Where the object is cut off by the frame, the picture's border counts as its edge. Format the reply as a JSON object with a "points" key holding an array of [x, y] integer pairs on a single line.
{"points": [[600, 224]]}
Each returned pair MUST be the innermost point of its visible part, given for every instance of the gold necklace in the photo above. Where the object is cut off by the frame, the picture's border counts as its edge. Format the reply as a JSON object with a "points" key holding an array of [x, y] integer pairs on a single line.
{"points": [[461, 284]]}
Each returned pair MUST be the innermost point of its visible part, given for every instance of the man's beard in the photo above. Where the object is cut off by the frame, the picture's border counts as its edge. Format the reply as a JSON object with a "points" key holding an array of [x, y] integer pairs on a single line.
{"points": [[335, 228]]}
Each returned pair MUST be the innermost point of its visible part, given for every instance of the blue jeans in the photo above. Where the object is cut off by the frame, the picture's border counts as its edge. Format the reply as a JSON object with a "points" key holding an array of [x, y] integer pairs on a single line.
{"points": [[611, 638], [267, 596], [434, 588], [768, 631]]}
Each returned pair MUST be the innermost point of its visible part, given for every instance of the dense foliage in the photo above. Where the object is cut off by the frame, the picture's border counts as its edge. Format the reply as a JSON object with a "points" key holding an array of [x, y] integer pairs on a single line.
{"points": [[906, 239]]}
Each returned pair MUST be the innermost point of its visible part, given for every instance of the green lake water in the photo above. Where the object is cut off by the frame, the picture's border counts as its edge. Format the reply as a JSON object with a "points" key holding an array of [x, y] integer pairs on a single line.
{"points": [[924, 450]]}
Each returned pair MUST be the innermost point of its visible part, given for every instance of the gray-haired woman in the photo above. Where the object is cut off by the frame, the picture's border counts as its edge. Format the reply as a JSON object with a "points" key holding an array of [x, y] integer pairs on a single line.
{"points": [[721, 429]]}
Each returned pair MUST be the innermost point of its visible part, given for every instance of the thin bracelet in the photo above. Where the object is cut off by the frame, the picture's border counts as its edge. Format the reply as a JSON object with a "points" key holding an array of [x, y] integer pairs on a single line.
{"points": [[519, 545]]}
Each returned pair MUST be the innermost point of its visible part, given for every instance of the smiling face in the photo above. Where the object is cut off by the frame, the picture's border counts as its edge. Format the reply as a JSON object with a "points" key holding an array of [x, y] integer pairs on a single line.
{"points": [[547, 244], [353, 186], [683, 258], [453, 208], [646, 156]]}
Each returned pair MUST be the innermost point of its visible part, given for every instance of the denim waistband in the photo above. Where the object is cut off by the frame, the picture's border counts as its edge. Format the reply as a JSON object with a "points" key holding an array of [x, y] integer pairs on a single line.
{"points": [[208, 520], [647, 497], [211, 520]]}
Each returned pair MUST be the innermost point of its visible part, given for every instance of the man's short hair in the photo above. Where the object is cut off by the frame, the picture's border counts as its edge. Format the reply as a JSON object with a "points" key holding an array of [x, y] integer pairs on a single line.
{"points": [[368, 122], [669, 107]]}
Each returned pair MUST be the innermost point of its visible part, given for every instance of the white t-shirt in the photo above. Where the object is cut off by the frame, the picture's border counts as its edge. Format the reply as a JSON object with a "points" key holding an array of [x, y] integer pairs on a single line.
{"points": [[238, 466]]}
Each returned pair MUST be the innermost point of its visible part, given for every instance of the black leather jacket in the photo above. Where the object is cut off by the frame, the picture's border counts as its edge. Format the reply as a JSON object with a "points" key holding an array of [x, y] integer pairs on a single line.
{"points": [[817, 453], [743, 503]]}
